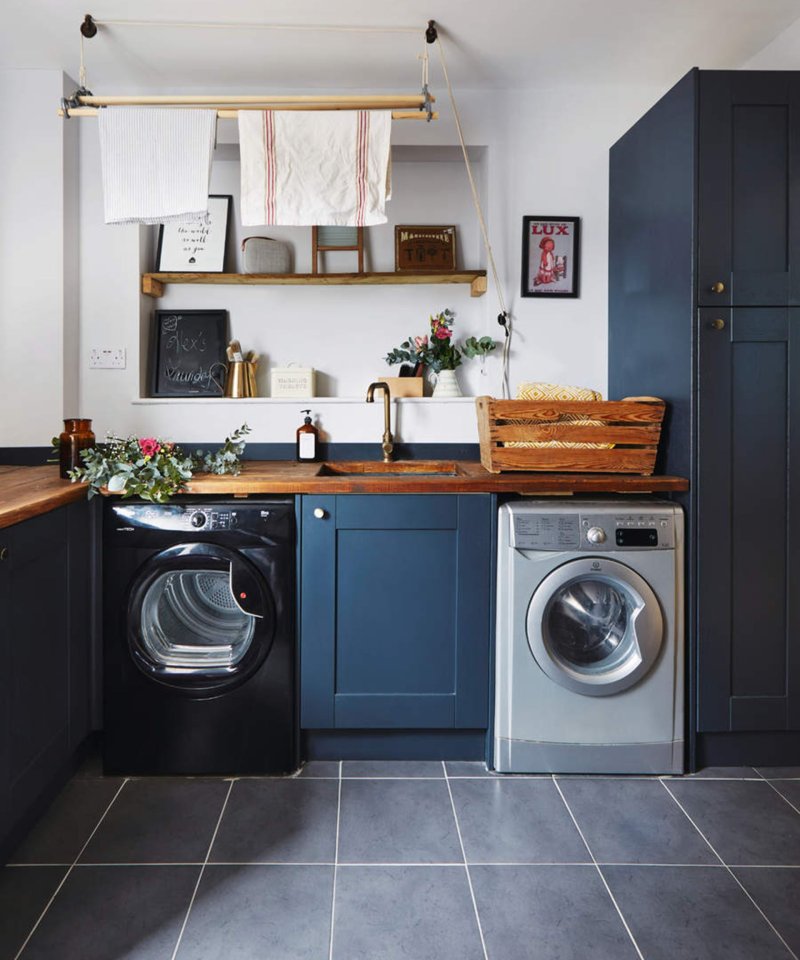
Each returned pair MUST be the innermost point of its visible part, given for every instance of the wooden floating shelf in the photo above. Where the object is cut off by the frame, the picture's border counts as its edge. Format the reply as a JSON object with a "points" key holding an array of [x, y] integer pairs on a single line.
{"points": [[153, 284]]}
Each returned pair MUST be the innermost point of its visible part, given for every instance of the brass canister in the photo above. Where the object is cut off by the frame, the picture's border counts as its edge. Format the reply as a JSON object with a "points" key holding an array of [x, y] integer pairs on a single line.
{"points": [[241, 379]]}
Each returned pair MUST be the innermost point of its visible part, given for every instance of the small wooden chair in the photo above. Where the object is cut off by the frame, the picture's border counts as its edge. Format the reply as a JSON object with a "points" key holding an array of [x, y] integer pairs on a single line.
{"points": [[336, 238]]}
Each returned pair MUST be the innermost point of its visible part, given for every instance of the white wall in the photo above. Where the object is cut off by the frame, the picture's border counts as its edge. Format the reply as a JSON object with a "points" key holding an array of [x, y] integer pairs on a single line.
{"points": [[783, 53], [38, 285], [546, 152]]}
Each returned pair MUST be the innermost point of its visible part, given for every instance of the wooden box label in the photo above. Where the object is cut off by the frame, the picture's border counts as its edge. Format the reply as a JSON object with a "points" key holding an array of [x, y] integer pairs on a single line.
{"points": [[421, 248]]}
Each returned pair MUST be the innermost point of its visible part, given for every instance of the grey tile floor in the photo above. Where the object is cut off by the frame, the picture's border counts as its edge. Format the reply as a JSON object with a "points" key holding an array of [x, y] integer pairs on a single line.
{"points": [[420, 861]]}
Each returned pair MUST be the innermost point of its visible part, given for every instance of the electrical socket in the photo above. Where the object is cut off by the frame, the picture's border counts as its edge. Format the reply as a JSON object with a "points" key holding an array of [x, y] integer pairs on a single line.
{"points": [[107, 358]]}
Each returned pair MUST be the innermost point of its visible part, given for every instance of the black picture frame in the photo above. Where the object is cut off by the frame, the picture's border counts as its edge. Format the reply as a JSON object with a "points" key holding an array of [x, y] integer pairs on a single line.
{"points": [[171, 259], [557, 274], [187, 353]]}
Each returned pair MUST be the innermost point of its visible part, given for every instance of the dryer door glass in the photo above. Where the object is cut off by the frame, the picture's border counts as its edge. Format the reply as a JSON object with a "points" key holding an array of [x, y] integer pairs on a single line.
{"points": [[189, 619]]}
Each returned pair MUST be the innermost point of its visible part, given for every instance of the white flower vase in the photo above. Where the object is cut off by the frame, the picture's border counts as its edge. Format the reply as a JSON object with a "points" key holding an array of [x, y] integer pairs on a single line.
{"points": [[446, 385]]}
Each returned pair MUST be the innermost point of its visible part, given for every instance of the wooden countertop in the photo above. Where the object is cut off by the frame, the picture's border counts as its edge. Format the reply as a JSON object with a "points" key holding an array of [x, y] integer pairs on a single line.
{"points": [[29, 491], [26, 492], [466, 476]]}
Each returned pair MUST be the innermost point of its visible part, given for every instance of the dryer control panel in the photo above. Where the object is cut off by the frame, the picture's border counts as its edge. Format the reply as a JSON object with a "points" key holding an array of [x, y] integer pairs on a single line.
{"points": [[593, 531]]}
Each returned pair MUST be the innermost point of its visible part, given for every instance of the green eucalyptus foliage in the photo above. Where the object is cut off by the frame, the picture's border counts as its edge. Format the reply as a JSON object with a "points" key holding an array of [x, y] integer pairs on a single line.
{"points": [[478, 348], [150, 468]]}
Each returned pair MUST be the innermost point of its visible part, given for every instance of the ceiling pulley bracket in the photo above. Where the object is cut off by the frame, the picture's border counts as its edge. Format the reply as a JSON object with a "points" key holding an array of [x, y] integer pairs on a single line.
{"points": [[88, 27]]}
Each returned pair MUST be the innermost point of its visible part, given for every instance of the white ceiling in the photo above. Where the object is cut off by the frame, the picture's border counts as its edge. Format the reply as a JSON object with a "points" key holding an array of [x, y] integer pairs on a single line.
{"points": [[498, 44]]}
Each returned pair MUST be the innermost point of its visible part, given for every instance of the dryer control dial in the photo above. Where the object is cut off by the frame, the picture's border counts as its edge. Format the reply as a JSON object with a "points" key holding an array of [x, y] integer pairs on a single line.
{"points": [[596, 535], [198, 519]]}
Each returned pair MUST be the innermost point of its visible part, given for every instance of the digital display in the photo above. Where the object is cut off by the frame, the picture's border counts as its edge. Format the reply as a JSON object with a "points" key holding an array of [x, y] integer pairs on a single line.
{"points": [[637, 537]]}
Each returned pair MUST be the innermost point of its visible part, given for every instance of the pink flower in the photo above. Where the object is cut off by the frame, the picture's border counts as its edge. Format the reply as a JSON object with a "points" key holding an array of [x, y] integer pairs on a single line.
{"points": [[149, 446], [443, 333], [421, 342]]}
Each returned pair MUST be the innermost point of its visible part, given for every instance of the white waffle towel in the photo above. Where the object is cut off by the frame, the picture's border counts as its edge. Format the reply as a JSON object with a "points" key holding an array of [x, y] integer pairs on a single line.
{"points": [[320, 167], [156, 163]]}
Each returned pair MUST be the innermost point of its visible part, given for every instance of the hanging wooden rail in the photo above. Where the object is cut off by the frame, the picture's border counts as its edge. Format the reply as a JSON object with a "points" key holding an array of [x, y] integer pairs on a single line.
{"points": [[403, 106]]}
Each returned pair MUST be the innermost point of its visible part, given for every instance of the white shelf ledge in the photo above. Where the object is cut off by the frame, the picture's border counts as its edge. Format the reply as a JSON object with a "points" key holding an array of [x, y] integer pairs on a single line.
{"points": [[318, 401]]}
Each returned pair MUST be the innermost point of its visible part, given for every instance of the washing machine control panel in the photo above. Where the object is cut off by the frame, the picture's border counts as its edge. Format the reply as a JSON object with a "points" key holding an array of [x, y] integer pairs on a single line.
{"points": [[592, 532], [627, 532]]}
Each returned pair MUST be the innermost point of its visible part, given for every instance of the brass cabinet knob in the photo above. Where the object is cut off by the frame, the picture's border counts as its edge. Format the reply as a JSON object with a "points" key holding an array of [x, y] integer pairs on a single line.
{"points": [[718, 324], [718, 287], [319, 513]]}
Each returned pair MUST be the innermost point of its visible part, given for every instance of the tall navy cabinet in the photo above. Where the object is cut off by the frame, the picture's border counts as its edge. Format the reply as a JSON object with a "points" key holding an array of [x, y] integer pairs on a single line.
{"points": [[395, 623], [704, 310]]}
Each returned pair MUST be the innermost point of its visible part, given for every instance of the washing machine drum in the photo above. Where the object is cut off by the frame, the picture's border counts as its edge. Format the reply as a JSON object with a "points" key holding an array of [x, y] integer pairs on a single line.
{"points": [[595, 626]]}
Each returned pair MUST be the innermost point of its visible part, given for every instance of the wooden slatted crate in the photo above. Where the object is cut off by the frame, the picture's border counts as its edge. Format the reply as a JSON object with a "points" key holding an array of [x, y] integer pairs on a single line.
{"points": [[628, 431]]}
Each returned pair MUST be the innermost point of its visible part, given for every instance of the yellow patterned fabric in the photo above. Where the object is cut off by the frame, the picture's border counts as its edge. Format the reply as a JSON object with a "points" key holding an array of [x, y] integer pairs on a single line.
{"points": [[558, 391], [555, 391]]}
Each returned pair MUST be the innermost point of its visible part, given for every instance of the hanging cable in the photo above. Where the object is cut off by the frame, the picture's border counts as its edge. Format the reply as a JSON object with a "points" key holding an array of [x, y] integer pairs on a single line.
{"points": [[504, 317]]}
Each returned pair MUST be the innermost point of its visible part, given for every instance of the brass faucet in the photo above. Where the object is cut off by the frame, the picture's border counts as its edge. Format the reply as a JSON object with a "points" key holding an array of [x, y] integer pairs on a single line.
{"points": [[388, 440]]}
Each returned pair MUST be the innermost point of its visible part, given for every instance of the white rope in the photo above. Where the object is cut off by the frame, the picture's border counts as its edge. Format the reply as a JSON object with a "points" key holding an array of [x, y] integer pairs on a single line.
{"points": [[484, 231], [82, 69], [424, 58], [216, 25]]}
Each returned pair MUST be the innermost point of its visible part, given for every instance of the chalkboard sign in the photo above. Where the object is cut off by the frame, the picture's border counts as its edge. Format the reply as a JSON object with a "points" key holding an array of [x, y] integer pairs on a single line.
{"points": [[187, 353]]}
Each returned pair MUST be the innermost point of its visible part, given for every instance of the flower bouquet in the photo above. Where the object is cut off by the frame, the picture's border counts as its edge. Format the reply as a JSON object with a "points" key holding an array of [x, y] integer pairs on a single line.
{"points": [[150, 468], [438, 350]]}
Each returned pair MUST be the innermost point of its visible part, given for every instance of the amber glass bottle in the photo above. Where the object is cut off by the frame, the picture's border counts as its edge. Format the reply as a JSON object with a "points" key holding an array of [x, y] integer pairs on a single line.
{"points": [[307, 439], [77, 436]]}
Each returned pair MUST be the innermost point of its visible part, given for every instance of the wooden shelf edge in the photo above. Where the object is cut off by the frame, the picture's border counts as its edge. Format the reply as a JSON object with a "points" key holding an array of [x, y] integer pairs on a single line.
{"points": [[153, 284]]}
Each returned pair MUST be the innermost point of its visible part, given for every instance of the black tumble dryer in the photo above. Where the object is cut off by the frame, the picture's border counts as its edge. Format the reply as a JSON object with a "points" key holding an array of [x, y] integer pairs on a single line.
{"points": [[199, 638]]}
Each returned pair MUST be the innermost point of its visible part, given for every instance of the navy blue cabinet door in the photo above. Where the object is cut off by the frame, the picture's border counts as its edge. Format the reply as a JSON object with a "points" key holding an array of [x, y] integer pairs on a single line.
{"points": [[395, 600], [748, 536], [749, 188], [37, 655]]}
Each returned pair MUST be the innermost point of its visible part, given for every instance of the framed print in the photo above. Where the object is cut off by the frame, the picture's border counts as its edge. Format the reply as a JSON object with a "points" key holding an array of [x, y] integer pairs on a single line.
{"points": [[196, 246], [187, 353], [419, 249], [550, 256]]}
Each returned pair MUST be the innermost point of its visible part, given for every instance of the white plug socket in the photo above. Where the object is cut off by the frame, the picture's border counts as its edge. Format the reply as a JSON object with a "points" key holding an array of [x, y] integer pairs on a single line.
{"points": [[107, 358]]}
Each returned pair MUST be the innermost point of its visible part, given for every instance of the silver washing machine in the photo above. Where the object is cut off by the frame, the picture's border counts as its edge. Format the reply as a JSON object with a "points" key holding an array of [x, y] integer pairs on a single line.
{"points": [[589, 665]]}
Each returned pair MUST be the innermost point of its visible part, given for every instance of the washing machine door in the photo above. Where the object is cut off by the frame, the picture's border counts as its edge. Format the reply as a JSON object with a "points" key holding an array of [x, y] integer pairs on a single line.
{"points": [[595, 626], [200, 618]]}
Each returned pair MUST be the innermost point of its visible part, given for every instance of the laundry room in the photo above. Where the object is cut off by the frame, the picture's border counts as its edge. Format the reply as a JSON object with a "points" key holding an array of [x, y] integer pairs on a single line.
{"points": [[397, 546]]}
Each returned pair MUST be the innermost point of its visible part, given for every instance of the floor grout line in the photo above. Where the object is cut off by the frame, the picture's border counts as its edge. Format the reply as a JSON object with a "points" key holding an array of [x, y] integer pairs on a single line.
{"points": [[466, 865], [69, 871], [335, 863], [785, 798], [730, 871], [202, 870], [399, 863], [599, 871]]}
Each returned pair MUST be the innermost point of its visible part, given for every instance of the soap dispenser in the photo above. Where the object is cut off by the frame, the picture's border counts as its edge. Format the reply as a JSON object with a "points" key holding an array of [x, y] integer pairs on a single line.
{"points": [[307, 439]]}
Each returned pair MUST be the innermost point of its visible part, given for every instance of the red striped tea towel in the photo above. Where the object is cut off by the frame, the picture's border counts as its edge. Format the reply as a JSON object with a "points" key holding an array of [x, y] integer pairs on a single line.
{"points": [[316, 167]]}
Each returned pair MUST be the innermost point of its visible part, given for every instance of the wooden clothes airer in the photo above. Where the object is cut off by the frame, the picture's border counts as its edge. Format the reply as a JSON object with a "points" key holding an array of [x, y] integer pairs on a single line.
{"points": [[419, 106]]}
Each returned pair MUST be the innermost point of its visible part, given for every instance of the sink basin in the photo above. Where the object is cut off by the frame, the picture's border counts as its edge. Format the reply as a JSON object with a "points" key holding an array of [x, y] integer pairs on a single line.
{"points": [[398, 468]]}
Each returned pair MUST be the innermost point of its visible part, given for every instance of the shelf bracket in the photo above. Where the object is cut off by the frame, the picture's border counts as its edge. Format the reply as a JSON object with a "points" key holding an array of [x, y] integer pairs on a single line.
{"points": [[152, 287], [477, 287]]}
